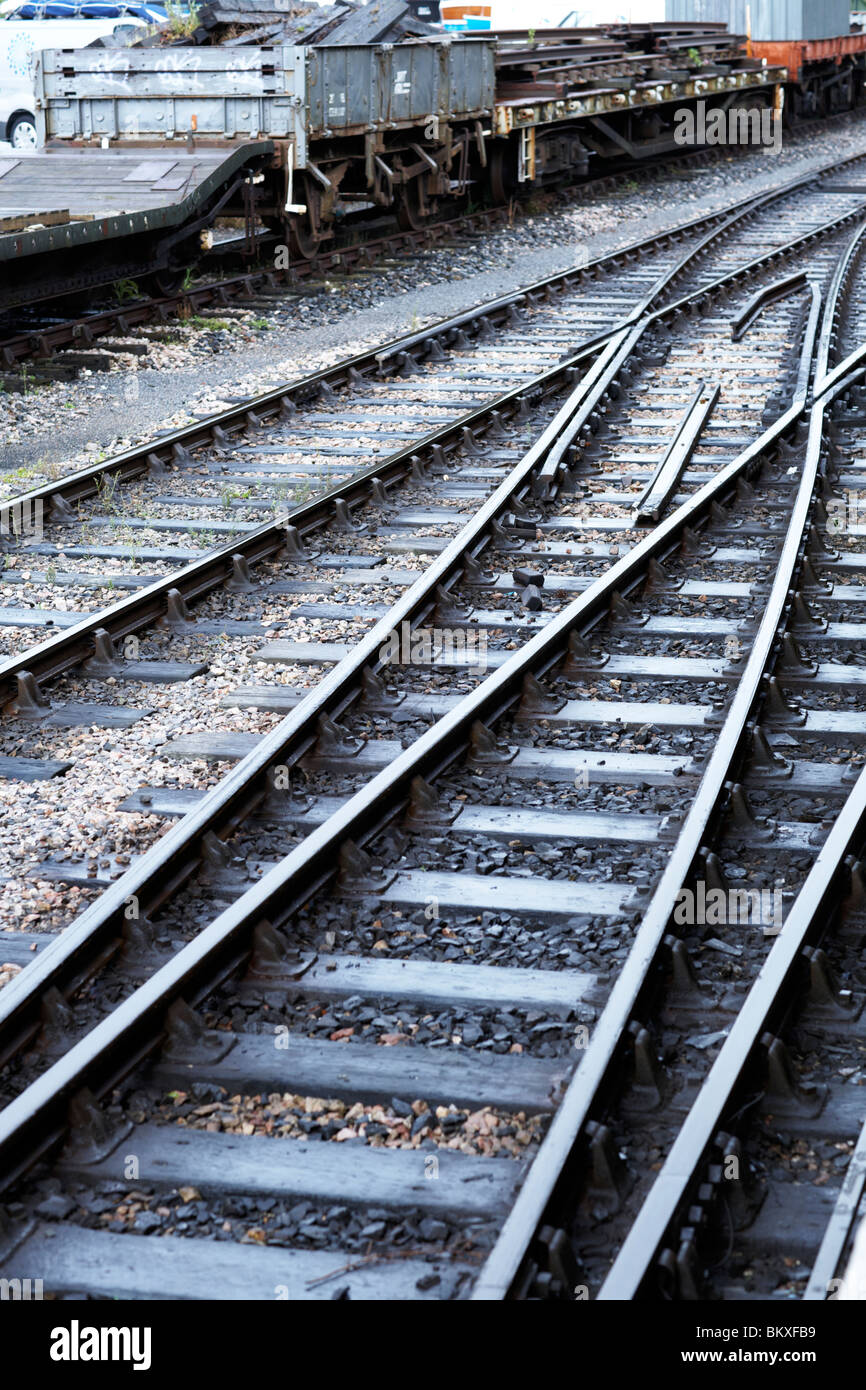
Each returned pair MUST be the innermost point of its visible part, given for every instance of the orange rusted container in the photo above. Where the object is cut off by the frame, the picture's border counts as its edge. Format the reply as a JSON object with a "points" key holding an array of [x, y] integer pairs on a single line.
{"points": [[794, 53]]}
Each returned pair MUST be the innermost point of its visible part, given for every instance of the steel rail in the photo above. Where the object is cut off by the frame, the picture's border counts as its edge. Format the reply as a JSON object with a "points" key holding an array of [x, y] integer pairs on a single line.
{"points": [[635, 1258], [553, 1159], [779, 980], [820, 1286], [237, 419], [33, 1121], [74, 644], [66, 961], [833, 381], [663, 483], [756, 305], [30, 342]]}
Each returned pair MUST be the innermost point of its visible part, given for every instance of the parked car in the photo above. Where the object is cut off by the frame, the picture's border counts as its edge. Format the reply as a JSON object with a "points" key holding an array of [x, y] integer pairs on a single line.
{"points": [[25, 31]]}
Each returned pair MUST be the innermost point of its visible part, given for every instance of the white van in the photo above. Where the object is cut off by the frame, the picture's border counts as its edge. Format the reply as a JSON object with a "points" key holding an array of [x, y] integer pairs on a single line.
{"points": [[20, 39]]}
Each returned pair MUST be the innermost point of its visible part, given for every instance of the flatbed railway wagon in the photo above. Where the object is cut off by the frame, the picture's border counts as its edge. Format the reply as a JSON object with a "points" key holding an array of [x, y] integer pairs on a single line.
{"points": [[145, 148]]}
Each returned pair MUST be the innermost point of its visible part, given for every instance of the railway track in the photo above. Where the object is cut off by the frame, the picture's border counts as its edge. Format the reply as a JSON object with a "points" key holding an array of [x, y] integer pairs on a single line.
{"points": [[760, 1189], [453, 333], [52, 342], [42, 343], [429, 965], [49, 341], [128, 537]]}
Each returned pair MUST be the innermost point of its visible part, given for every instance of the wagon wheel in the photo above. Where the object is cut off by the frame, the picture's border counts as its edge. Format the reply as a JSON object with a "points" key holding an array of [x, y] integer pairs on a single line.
{"points": [[162, 284], [305, 228], [503, 172], [409, 207], [752, 101]]}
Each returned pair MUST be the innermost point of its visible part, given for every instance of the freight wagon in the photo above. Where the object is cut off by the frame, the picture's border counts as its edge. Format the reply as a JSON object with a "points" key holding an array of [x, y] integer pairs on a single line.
{"points": [[144, 148]]}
